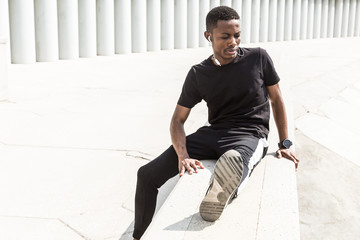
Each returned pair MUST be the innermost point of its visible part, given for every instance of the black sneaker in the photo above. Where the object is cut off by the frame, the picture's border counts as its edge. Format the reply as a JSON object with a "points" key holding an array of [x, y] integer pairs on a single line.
{"points": [[225, 181]]}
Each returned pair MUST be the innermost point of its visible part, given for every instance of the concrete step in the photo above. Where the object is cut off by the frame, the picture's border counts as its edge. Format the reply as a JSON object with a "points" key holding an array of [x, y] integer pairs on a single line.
{"points": [[267, 208]]}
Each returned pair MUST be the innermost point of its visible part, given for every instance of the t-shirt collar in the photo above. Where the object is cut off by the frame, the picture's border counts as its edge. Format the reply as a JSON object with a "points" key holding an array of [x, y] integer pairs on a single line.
{"points": [[237, 58]]}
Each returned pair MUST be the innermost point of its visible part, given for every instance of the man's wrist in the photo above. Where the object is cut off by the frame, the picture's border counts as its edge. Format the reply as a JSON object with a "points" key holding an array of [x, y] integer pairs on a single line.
{"points": [[285, 144], [183, 157]]}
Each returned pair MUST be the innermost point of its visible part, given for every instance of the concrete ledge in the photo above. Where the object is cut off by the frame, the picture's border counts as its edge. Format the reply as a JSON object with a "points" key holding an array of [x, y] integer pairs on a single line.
{"points": [[278, 211], [267, 208]]}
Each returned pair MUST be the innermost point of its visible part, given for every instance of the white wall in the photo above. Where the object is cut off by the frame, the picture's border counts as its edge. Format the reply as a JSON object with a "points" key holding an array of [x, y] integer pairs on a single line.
{"points": [[48, 30]]}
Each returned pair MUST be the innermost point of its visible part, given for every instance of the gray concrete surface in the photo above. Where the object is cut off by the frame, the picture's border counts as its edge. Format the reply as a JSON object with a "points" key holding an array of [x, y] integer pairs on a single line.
{"points": [[73, 134]]}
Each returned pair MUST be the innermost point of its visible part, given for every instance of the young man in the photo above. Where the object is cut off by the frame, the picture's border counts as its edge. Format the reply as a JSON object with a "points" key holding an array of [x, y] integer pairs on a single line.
{"points": [[237, 84]]}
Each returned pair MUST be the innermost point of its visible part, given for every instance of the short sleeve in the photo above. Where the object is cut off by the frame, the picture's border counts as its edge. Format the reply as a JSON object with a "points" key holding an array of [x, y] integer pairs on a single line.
{"points": [[190, 95], [268, 71]]}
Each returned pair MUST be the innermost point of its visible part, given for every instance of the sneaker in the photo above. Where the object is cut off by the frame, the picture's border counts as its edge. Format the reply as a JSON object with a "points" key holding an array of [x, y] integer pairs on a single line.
{"points": [[225, 181]]}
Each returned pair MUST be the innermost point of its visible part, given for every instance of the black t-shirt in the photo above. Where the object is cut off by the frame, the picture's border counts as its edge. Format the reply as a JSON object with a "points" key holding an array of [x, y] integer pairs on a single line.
{"points": [[235, 93]]}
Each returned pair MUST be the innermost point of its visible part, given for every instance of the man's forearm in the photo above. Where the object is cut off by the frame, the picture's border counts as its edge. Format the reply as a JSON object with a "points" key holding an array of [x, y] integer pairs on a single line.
{"points": [[178, 139], [280, 118]]}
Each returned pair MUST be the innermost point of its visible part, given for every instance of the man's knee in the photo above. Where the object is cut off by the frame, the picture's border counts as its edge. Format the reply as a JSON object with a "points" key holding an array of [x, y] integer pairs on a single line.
{"points": [[143, 173], [147, 175]]}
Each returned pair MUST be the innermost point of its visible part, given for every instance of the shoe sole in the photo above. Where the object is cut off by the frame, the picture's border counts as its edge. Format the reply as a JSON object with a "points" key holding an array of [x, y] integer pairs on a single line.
{"points": [[226, 179]]}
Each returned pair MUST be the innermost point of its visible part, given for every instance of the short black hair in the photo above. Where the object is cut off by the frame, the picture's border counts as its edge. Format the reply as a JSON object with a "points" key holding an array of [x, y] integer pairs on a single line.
{"points": [[219, 13]]}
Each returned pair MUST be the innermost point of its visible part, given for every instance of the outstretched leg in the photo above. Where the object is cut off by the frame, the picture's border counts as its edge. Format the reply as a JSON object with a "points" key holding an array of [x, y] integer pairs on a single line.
{"points": [[150, 177]]}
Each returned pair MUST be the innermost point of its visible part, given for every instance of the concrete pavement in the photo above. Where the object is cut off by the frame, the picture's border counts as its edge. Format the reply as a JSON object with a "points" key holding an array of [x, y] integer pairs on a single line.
{"points": [[73, 134]]}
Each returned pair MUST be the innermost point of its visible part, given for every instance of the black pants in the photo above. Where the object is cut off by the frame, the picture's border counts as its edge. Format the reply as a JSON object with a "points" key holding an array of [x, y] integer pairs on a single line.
{"points": [[205, 143]]}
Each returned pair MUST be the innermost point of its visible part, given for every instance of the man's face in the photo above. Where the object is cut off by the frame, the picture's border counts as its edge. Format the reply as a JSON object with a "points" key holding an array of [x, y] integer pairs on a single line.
{"points": [[225, 40]]}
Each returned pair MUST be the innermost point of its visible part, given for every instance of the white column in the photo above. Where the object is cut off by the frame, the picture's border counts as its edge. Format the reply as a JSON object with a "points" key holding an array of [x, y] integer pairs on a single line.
{"points": [[310, 21], [296, 20], [288, 20], [105, 29], [4, 25], [153, 25], [122, 26], [345, 18], [193, 24], [338, 17], [180, 24], [167, 24], [264, 20], [272, 20], [352, 16], [317, 19], [46, 32], [4, 20], [3, 68], [138, 26], [225, 3], [303, 25], [324, 18], [214, 3], [87, 28], [255, 21], [280, 20], [357, 19], [204, 9], [246, 21], [237, 5], [22, 31], [331, 19], [68, 29]]}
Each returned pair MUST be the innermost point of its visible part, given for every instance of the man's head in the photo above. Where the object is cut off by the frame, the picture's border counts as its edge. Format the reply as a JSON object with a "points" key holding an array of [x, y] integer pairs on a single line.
{"points": [[223, 31], [220, 13]]}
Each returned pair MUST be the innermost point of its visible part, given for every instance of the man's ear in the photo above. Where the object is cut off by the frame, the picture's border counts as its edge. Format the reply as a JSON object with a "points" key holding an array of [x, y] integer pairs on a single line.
{"points": [[207, 35]]}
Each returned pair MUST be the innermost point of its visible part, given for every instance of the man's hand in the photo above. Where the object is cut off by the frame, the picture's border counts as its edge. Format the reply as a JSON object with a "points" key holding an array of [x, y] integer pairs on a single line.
{"points": [[190, 165], [289, 154]]}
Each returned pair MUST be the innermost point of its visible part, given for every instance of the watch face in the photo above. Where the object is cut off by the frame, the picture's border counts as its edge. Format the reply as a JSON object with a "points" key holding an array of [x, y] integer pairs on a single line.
{"points": [[287, 143]]}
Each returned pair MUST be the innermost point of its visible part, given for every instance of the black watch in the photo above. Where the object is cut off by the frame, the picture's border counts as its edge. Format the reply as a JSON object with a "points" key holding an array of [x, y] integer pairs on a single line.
{"points": [[286, 143]]}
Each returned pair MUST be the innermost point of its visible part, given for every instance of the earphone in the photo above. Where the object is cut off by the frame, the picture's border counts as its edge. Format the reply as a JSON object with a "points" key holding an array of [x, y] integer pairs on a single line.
{"points": [[242, 52], [215, 60]]}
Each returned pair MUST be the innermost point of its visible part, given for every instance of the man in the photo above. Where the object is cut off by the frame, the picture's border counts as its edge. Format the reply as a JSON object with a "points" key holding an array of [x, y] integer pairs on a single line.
{"points": [[237, 84]]}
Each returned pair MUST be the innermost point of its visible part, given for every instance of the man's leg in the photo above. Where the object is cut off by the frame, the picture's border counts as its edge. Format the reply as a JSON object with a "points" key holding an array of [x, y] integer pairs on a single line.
{"points": [[252, 149], [227, 175], [150, 177], [252, 160], [231, 171], [154, 174]]}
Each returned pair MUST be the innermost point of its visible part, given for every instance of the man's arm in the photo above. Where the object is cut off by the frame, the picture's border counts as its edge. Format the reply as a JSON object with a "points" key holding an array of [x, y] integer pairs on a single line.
{"points": [[178, 139], [279, 112]]}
